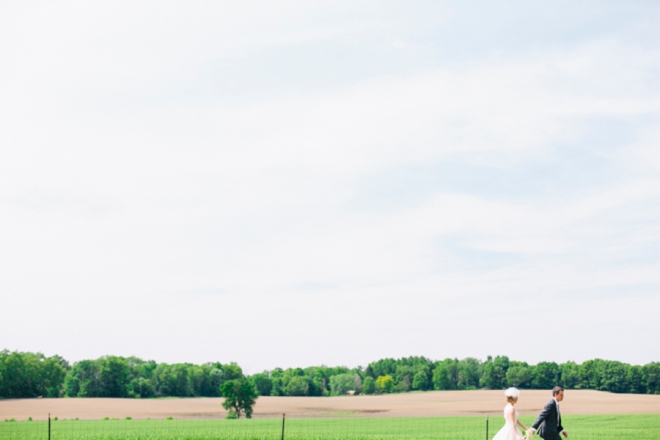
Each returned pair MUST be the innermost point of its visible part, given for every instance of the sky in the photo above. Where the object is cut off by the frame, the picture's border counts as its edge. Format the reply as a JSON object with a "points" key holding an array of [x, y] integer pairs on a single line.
{"points": [[286, 184]]}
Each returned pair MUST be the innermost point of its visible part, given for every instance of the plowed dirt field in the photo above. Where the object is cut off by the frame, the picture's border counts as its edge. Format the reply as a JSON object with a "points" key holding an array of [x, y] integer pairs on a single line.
{"points": [[428, 404]]}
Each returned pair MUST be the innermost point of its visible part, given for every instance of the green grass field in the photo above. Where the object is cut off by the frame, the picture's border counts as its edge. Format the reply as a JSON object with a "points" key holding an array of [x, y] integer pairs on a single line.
{"points": [[601, 427]]}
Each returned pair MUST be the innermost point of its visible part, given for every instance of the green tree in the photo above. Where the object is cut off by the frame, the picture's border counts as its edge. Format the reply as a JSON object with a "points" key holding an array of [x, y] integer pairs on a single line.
{"points": [[494, 372], [421, 379], [141, 388], [319, 384], [569, 375], [341, 384], [591, 374], [469, 372], [211, 378], [652, 377], [404, 385], [278, 387], [113, 376], [240, 396], [369, 385], [30, 374], [545, 376], [140, 368], [382, 367], [232, 371], [403, 371], [197, 377], [615, 377], [518, 376], [297, 386], [53, 373], [445, 375], [384, 384], [636, 379], [82, 380], [263, 383], [172, 380]]}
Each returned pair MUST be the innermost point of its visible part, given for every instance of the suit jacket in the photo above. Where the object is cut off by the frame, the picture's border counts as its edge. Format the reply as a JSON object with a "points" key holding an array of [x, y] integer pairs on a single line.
{"points": [[548, 422]]}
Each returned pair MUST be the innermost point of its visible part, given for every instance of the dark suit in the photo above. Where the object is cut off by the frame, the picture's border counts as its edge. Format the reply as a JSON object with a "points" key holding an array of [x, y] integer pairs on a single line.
{"points": [[548, 422]]}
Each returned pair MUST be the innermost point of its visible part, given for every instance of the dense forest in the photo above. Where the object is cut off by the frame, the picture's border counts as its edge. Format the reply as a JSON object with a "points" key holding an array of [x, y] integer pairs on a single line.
{"points": [[32, 375]]}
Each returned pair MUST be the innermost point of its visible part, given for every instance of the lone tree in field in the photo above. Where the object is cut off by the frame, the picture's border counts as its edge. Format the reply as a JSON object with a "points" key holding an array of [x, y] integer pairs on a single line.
{"points": [[240, 397]]}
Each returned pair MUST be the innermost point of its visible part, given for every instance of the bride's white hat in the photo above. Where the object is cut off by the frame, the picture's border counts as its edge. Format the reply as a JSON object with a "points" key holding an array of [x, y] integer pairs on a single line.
{"points": [[512, 392]]}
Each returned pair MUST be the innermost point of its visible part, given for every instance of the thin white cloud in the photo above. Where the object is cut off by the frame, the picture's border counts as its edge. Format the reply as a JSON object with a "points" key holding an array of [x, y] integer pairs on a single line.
{"points": [[121, 196]]}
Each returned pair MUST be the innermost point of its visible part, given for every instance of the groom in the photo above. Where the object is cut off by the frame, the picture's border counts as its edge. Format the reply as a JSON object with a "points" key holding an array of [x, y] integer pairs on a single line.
{"points": [[548, 422]]}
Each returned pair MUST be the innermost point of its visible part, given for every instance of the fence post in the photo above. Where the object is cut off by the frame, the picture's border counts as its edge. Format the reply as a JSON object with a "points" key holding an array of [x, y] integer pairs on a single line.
{"points": [[486, 426], [48, 426], [283, 418]]}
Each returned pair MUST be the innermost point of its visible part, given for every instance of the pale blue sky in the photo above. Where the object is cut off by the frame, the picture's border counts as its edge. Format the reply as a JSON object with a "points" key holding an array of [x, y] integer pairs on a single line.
{"points": [[341, 181]]}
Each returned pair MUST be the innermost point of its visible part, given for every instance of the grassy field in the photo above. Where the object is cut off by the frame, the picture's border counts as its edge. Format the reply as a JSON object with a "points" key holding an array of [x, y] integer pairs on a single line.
{"points": [[601, 427]]}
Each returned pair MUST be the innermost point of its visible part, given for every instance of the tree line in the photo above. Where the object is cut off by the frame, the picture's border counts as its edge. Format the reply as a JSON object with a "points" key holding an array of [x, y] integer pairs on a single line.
{"points": [[33, 375], [423, 374], [24, 375]]}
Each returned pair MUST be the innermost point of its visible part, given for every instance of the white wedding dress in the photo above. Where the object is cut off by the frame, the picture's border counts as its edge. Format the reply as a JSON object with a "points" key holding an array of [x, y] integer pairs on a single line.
{"points": [[510, 430]]}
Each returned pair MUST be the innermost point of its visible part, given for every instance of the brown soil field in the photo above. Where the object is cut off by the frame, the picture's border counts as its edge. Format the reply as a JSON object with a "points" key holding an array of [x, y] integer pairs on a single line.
{"points": [[428, 404]]}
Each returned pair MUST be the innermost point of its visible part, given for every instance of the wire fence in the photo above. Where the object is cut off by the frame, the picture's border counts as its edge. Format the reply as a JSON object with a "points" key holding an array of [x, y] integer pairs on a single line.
{"points": [[338, 427]]}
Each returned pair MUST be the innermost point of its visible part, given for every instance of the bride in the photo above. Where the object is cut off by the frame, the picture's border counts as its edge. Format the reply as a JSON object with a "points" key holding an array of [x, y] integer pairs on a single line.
{"points": [[510, 431]]}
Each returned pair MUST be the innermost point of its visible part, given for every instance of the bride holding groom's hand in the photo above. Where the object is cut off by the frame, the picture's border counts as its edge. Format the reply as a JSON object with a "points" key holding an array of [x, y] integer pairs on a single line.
{"points": [[510, 429], [548, 422]]}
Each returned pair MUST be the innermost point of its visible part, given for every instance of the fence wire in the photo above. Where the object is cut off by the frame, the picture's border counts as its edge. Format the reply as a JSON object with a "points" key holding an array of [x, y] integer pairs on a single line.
{"points": [[322, 428]]}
